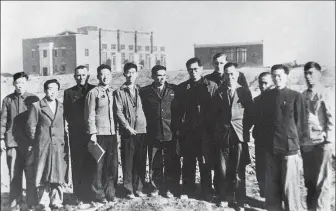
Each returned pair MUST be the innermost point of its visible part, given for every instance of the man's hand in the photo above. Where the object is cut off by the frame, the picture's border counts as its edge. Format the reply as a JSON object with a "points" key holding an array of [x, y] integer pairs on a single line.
{"points": [[131, 130], [93, 139], [236, 181], [3, 145]]}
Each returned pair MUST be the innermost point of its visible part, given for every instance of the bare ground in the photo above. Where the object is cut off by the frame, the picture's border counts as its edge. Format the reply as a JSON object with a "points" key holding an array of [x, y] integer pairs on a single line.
{"points": [[160, 203]]}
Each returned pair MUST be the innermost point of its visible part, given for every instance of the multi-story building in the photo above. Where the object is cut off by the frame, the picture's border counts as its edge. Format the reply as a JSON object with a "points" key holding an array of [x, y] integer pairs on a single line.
{"points": [[90, 46], [244, 54]]}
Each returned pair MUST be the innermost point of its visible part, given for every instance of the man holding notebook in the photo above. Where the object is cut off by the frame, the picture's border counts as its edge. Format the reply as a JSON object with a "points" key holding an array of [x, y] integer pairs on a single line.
{"points": [[100, 126]]}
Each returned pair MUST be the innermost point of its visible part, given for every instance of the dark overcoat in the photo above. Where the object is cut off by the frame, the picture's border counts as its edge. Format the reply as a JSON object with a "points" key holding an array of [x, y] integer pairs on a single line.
{"points": [[46, 130]]}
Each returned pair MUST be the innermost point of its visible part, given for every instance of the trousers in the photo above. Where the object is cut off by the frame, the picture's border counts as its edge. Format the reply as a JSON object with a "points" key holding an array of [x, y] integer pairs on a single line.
{"points": [[19, 161], [282, 182], [317, 175], [105, 176], [164, 166], [133, 158]]}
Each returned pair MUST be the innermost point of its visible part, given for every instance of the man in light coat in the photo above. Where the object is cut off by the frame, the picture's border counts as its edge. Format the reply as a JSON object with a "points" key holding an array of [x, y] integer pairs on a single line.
{"points": [[46, 130]]}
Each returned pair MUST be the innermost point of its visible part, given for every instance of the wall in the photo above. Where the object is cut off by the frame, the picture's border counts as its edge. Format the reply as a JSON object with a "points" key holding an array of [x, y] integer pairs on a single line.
{"points": [[90, 42], [254, 55], [67, 42]]}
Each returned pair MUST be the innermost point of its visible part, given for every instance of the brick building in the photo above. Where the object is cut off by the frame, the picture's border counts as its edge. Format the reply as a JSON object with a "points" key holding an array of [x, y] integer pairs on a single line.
{"points": [[248, 54], [90, 46]]}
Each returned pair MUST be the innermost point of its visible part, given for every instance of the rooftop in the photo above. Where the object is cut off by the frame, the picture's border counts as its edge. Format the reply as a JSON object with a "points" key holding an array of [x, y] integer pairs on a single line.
{"points": [[228, 44]]}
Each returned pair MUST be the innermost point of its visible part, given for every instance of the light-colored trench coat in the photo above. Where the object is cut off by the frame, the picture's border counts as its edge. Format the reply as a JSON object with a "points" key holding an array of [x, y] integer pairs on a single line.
{"points": [[46, 130]]}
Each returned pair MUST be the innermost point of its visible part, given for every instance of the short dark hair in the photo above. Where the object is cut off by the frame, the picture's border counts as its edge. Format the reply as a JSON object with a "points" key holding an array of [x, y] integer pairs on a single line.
{"points": [[230, 64], [20, 75], [192, 61], [81, 67], [280, 66], [263, 74], [156, 68], [217, 55], [310, 65], [103, 66], [129, 66], [45, 85]]}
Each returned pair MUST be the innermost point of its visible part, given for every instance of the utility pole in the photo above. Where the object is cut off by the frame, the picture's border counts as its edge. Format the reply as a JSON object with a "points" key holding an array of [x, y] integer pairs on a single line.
{"points": [[99, 40]]}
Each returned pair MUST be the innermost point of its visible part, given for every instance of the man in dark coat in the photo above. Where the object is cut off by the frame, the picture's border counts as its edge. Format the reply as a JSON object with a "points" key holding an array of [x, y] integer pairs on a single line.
{"points": [[217, 76], [15, 141], [164, 163], [265, 83], [191, 119], [46, 130], [284, 121], [81, 160], [233, 115]]}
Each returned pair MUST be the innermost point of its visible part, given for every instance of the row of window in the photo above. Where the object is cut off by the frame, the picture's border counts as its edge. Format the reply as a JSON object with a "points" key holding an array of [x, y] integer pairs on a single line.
{"points": [[61, 69], [131, 47], [56, 53], [241, 54]]}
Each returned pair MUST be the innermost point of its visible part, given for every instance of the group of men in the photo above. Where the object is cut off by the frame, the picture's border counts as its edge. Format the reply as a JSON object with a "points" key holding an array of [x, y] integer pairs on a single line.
{"points": [[206, 120]]}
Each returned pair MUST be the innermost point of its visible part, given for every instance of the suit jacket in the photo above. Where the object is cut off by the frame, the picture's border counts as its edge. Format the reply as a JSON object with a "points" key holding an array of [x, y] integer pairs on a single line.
{"points": [[74, 103], [257, 130], [237, 115], [127, 112], [284, 121], [157, 109], [46, 130], [14, 116]]}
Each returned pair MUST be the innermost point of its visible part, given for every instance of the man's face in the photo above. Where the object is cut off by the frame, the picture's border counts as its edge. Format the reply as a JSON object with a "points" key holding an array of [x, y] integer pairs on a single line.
{"points": [[279, 78], [195, 71], [52, 91], [104, 77], [265, 83], [160, 77], [20, 85], [131, 75], [219, 64], [231, 76], [81, 76], [312, 76]]}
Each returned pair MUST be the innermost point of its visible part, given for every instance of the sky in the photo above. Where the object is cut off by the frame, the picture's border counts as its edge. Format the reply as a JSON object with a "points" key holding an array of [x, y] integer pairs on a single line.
{"points": [[301, 31]]}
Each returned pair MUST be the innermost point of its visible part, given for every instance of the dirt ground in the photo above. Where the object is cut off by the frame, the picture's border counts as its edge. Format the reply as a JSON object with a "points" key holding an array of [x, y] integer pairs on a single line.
{"points": [[160, 203]]}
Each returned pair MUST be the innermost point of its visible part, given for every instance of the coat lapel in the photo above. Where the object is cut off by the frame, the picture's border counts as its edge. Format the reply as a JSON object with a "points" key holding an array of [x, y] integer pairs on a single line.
{"points": [[46, 109], [59, 110]]}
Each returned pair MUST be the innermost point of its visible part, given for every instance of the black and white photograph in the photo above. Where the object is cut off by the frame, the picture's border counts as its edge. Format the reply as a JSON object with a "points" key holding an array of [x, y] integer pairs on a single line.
{"points": [[167, 106]]}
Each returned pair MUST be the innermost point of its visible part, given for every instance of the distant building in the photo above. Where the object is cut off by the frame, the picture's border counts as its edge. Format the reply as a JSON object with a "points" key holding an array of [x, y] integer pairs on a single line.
{"points": [[245, 54], [90, 46]]}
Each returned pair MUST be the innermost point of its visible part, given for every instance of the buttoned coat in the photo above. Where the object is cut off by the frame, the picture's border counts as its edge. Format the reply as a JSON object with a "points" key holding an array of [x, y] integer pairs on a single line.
{"points": [[157, 110], [74, 103], [46, 130]]}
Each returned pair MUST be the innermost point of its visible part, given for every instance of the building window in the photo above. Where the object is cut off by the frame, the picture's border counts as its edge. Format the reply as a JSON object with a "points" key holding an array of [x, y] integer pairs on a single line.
{"points": [[162, 48], [63, 68], [241, 55], [45, 53], [122, 58], [63, 52], [33, 53], [113, 46], [87, 66], [86, 52], [55, 53], [104, 46], [130, 47], [131, 57], [139, 48], [147, 48], [155, 48], [55, 69], [113, 60], [229, 54], [34, 69], [104, 57], [122, 47]]}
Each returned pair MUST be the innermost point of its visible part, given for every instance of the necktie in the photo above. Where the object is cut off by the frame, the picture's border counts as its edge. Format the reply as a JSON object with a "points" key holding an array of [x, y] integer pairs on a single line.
{"points": [[230, 93]]}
